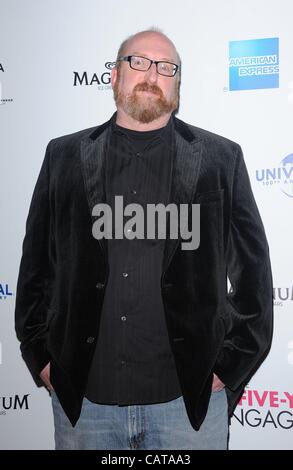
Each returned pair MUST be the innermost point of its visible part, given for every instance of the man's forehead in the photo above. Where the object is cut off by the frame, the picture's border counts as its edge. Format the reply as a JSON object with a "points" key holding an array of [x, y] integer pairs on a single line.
{"points": [[144, 43]]}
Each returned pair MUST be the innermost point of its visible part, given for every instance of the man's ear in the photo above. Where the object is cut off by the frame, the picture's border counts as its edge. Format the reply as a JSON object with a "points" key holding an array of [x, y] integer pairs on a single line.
{"points": [[113, 76]]}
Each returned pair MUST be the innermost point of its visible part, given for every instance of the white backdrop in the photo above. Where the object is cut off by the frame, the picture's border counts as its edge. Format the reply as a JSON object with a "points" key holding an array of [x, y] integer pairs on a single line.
{"points": [[42, 45]]}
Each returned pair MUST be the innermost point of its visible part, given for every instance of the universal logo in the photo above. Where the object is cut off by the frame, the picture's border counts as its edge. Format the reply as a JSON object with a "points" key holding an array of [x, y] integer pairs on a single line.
{"points": [[16, 402], [5, 291], [282, 176], [281, 295], [101, 80]]}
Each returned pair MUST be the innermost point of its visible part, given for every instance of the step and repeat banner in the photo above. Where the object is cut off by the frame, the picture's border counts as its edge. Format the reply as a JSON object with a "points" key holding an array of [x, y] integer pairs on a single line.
{"points": [[237, 81]]}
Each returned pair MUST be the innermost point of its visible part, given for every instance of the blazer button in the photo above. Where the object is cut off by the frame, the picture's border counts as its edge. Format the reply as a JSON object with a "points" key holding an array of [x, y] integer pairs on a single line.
{"points": [[100, 285], [90, 339]]}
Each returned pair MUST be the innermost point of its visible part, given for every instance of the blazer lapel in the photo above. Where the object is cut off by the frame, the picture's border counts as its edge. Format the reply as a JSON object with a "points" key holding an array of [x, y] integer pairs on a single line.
{"points": [[185, 171], [93, 151]]}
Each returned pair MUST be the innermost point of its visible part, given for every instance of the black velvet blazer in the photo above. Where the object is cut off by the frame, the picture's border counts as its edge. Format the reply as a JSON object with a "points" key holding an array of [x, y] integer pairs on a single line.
{"points": [[63, 271]]}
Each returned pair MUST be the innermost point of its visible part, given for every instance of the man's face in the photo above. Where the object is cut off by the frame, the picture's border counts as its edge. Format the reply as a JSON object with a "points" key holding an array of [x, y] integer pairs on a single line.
{"points": [[146, 96]]}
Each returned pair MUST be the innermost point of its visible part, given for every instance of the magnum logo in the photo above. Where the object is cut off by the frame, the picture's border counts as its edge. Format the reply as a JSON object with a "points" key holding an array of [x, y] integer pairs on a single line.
{"points": [[16, 402], [85, 78]]}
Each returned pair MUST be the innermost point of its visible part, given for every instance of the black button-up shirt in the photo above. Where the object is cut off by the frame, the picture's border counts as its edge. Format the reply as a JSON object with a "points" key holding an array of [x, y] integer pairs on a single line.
{"points": [[133, 363]]}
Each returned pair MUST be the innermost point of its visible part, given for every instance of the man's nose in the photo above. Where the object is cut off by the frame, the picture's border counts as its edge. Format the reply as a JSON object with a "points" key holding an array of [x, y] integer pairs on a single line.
{"points": [[152, 74]]}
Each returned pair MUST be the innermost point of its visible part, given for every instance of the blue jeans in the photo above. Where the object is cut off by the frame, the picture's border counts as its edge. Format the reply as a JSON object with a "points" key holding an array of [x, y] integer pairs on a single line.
{"points": [[155, 426]]}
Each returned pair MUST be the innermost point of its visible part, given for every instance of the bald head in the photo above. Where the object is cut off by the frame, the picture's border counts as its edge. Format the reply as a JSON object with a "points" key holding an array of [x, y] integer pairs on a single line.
{"points": [[130, 44]]}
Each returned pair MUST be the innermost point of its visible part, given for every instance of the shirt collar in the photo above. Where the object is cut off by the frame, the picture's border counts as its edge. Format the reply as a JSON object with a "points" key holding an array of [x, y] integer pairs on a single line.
{"points": [[165, 133]]}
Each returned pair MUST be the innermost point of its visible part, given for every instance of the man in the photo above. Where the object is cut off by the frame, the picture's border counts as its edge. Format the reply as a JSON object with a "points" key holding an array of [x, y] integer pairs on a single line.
{"points": [[137, 338]]}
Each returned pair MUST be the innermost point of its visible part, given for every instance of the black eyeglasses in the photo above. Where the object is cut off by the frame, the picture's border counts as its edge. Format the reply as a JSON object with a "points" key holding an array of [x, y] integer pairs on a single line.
{"points": [[168, 69]]}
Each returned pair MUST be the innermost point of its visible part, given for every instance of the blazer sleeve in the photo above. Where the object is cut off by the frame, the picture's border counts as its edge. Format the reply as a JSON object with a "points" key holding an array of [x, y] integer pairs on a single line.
{"points": [[249, 304], [35, 277]]}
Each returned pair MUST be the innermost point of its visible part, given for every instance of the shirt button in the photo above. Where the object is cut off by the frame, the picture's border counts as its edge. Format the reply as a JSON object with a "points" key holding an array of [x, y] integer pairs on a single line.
{"points": [[123, 363], [100, 285], [138, 154], [123, 318], [133, 191], [125, 274], [90, 339]]}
